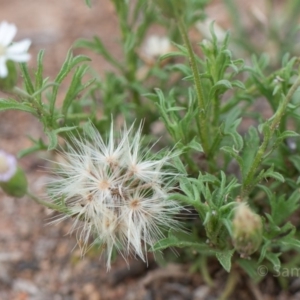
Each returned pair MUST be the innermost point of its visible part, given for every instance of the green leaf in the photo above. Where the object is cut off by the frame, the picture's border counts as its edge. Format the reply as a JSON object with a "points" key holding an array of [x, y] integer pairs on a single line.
{"points": [[27, 80], [224, 258], [295, 160], [75, 88], [234, 154], [6, 104], [97, 46], [273, 258], [38, 146], [171, 54], [52, 135], [182, 240], [273, 174], [282, 208], [52, 140], [69, 63], [222, 85], [251, 269], [238, 84], [231, 129], [39, 75], [195, 145], [249, 151], [291, 242]]}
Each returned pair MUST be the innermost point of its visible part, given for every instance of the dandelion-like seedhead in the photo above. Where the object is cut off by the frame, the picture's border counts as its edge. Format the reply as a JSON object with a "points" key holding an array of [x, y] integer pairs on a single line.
{"points": [[16, 52], [116, 192]]}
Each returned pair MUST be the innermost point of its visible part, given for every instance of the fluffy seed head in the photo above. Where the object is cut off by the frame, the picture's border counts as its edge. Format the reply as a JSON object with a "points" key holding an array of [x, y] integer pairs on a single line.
{"points": [[116, 191]]}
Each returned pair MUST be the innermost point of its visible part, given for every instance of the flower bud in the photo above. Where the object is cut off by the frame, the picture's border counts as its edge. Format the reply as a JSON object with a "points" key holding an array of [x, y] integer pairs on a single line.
{"points": [[10, 81], [12, 178], [171, 8], [247, 230]]}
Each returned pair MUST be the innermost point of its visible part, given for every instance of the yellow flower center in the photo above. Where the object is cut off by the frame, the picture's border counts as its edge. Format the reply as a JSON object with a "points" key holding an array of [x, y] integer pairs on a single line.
{"points": [[2, 50], [103, 185]]}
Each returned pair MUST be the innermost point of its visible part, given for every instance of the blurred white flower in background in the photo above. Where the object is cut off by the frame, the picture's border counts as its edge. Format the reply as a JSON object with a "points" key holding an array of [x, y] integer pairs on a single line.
{"points": [[116, 192], [8, 166], [16, 52], [156, 46]]}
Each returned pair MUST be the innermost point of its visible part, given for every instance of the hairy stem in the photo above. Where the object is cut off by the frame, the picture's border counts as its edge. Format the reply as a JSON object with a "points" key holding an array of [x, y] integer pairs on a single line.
{"points": [[204, 133], [44, 203], [275, 122]]}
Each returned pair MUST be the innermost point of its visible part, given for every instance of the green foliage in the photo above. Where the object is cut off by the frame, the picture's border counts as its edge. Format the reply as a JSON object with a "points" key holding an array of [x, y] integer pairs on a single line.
{"points": [[202, 105]]}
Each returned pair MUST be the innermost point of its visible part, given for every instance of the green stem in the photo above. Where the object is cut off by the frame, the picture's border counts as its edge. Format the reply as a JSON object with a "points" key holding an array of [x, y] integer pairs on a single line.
{"points": [[17, 91], [230, 286], [191, 164], [216, 111], [247, 184], [205, 273], [77, 116], [44, 203], [204, 133], [40, 112]]}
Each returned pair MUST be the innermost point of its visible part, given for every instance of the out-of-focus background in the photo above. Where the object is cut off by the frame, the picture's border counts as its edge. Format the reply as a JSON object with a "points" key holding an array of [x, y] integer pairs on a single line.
{"points": [[39, 261]]}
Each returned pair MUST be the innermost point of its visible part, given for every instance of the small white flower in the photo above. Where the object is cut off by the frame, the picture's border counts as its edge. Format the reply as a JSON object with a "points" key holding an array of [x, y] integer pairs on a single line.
{"points": [[116, 192], [156, 46], [8, 166], [11, 51]]}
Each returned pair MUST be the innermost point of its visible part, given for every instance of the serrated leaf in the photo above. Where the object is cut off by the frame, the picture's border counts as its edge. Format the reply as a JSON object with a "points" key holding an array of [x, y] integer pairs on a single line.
{"points": [[224, 258], [282, 208]]}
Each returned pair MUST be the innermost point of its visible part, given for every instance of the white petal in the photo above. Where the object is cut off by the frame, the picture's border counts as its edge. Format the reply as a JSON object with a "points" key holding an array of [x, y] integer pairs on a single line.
{"points": [[19, 47], [3, 68], [22, 57], [7, 33]]}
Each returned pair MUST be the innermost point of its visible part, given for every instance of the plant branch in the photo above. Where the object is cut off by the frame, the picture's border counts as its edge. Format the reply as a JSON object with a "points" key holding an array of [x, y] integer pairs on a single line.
{"points": [[199, 90], [44, 203], [275, 121]]}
